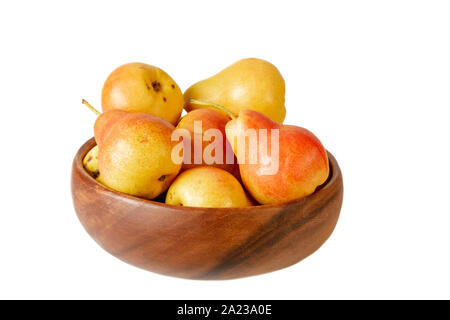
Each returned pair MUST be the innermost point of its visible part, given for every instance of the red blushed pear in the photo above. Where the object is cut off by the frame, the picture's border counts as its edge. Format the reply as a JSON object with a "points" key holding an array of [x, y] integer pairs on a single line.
{"points": [[105, 122], [294, 164], [199, 123]]}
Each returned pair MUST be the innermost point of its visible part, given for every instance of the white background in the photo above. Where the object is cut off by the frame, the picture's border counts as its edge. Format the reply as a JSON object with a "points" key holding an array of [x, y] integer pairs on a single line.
{"points": [[370, 78]]}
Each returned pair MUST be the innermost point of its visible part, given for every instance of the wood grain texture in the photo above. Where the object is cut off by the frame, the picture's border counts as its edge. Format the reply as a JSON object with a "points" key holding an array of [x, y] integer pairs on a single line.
{"points": [[205, 243]]}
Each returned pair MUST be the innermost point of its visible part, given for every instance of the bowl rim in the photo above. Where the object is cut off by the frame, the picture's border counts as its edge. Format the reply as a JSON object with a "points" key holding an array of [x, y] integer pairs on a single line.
{"points": [[332, 179]]}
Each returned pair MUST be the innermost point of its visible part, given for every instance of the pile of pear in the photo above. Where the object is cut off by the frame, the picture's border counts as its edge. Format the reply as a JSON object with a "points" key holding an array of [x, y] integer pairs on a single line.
{"points": [[142, 107]]}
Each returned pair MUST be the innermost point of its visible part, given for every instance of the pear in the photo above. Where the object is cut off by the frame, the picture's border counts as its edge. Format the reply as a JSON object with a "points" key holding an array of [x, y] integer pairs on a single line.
{"points": [[105, 122], [207, 187], [90, 162], [289, 163], [134, 154], [142, 88], [247, 84], [202, 141]]}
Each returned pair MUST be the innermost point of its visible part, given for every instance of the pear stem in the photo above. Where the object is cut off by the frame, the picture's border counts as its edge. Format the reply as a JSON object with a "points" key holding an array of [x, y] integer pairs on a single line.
{"points": [[87, 104], [214, 105]]}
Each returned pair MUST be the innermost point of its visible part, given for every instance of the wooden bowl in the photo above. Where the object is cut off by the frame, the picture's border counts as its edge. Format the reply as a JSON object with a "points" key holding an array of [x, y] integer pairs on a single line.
{"points": [[205, 243]]}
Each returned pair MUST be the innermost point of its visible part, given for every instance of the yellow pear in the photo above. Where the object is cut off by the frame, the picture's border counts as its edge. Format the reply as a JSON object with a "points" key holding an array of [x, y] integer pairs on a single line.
{"points": [[135, 153], [208, 187], [90, 162], [139, 87], [247, 84]]}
